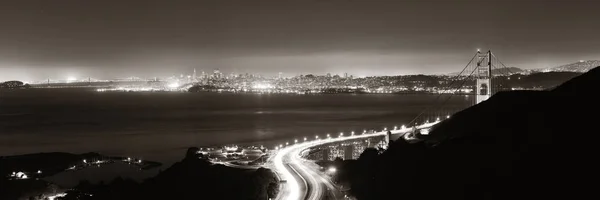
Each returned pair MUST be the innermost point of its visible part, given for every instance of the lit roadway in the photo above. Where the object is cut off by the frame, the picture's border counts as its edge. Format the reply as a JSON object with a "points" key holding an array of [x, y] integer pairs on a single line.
{"points": [[302, 179]]}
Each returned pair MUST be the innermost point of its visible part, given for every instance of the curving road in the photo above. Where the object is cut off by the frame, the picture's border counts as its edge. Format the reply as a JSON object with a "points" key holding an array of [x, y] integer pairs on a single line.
{"points": [[303, 179]]}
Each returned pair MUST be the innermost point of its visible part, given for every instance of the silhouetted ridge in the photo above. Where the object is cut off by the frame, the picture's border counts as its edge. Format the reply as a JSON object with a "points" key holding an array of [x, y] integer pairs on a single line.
{"points": [[585, 83], [515, 145]]}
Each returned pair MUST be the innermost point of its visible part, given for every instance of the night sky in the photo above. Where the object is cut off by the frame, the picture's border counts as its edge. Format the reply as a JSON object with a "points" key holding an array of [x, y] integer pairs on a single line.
{"points": [[120, 38]]}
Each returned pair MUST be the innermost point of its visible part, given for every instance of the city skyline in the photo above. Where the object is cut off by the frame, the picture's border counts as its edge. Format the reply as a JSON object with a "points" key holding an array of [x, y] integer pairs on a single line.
{"points": [[109, 39]]}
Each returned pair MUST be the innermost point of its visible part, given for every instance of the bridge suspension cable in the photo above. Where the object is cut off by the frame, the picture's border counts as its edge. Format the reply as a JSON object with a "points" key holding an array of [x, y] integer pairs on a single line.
{"points": [[454, 80], [484, 86]]}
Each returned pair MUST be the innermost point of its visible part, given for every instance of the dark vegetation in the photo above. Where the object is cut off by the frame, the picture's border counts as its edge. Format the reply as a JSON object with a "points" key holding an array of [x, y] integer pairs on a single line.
{"points": [[40, 165], [192, 178], [56, 162], [14, 85], [516, 145]]}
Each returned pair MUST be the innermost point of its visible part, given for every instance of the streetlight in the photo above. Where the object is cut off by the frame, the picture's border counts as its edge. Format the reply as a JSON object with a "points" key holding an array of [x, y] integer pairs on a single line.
{"points": [[332, 169], [352, 133], [304, 138], [341, 133], [395, 127], [447, 116], [287, 143], [364, 131], [316, 137], [327, 134], [295, 141], [438, 119], [281, 145], [403, 127]]}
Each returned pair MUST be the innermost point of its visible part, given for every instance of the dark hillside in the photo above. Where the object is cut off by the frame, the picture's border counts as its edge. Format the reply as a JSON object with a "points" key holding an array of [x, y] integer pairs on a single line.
{"points": [[516, 145]]}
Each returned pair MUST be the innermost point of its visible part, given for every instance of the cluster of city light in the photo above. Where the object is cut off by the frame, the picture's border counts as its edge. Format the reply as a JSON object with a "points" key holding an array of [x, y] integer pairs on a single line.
{"points": [[262, 86], [231, 148], [454, 91], [128, 89], [19, 175]]}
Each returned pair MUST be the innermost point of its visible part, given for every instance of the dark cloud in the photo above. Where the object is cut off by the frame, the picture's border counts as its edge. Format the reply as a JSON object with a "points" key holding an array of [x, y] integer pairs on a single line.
{"points": [[149, 38]]}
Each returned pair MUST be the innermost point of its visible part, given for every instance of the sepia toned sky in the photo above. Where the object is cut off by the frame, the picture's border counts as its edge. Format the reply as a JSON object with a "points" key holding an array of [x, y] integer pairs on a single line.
{"points": [[119, 38]]}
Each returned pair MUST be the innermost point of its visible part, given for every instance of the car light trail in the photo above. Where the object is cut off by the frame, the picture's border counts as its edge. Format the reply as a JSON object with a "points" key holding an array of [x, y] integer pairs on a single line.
{"points": [[291, 154]]}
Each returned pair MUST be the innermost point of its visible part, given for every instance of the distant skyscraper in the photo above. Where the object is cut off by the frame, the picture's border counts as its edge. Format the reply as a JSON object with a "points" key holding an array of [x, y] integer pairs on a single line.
{"points": [[280, 75], [346, 75], [194, 76], [328, 75]]}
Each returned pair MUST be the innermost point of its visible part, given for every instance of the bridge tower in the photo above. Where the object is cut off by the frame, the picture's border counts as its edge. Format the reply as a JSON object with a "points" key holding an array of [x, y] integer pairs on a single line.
{"points": [[483, 75]]}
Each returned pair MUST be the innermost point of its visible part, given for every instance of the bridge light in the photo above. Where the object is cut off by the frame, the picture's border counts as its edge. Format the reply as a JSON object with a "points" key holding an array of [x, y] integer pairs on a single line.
{"points": [[341, 133], [352, 133], [281, 145], [316, 137], [287, 143], [403, 127], [395, 127], [478, 50], [296, 141], [447, 116], [327, 134], [438, 119], [385, 129], [304, 138]]}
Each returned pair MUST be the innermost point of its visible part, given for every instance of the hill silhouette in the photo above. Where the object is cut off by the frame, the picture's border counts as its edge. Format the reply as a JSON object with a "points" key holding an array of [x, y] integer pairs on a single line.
{"points": [[516, 145], [192, 178]]}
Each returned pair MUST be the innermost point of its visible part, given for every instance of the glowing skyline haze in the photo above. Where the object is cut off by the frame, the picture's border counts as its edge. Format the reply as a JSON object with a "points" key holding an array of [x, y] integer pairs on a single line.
{"points": [[116, 39]]}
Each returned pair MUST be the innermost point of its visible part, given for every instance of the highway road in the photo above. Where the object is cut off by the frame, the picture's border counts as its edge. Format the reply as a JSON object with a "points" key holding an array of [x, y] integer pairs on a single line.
{"points": [[303, 179], [231, 164]]}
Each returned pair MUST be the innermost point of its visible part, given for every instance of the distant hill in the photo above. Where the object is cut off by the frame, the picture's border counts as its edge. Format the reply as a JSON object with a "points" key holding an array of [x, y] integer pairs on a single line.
{"points": [[517, 144], [507, 71], [582, 66], [503, 71]]}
